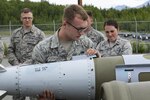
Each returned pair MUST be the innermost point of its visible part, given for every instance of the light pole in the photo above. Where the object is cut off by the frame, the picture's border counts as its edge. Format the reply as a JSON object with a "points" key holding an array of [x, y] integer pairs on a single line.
{"points": [[80, 2]]}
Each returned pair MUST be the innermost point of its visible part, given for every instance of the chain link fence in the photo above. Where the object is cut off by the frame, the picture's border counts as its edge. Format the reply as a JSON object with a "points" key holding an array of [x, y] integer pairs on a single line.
{"points": [[138, 32]]}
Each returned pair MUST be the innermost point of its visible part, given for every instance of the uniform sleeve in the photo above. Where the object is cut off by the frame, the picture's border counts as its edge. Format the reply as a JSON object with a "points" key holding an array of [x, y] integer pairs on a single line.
{"points": [[101, 37], [12, 59], [98, 47], [91, 44], [38, 55], [1, 51], [42, 35], [88, 43], [127, 48]]}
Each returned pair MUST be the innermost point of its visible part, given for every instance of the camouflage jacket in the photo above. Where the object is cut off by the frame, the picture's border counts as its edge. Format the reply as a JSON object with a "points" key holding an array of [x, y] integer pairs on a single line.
{"points": [[120, 47], [1, 51], [22, 44], [50, 50], [95, 36]]}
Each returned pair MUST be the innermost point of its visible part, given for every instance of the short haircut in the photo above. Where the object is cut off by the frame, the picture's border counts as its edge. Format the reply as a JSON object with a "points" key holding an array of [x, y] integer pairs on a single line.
{"points": [[71, 11], [111, 23], [26, 10]]}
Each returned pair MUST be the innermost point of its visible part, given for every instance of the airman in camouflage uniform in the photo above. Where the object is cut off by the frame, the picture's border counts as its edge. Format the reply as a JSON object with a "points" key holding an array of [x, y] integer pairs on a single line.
{"points": [[119, 47], [114, 45], [22, 42], [52, 50], [67, 41], [95, 35]]}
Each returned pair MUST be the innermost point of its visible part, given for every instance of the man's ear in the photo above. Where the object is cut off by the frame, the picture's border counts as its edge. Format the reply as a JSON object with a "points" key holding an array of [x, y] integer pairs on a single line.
{"points": [[64, 22], [20, 19], [32, 18]]}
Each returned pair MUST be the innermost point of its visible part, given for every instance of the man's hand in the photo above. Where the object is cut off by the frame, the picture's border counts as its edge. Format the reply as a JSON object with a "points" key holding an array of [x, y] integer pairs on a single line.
{"points": [[93, 52], [46, 95]]}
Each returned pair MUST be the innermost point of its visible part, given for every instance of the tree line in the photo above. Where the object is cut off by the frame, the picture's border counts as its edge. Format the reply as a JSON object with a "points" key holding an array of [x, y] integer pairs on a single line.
{"points": [[45, 13]]}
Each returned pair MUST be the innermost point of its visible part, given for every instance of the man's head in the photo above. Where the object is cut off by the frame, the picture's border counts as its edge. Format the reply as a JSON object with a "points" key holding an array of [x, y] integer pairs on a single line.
{"points": [[74, 22], [26, 17], [111, 29]]}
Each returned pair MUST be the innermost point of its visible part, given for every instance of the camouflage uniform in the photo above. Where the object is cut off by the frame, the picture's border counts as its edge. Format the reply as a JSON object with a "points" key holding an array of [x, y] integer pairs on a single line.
{"points": [[120, 47], [1, 51], [22, 44], [95, 36], [51, 50]]}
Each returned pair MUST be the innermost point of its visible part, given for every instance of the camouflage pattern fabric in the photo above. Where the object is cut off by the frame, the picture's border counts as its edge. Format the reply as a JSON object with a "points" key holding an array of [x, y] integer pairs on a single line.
{"points": [[22, 44], [1, 51], [50, 50], [120, 47], [95, 36]]}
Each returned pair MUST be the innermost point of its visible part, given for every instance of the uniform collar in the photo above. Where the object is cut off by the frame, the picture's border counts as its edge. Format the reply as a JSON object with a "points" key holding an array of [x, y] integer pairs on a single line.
{"points": [[32, 30], [55, 40], [117, 41]]}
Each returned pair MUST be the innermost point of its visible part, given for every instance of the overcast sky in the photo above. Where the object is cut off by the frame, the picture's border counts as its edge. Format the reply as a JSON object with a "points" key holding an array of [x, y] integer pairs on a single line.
{"points": [[99, 3]]}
